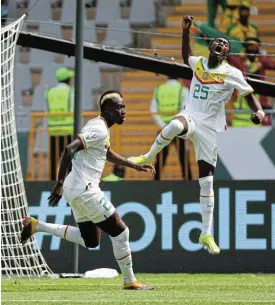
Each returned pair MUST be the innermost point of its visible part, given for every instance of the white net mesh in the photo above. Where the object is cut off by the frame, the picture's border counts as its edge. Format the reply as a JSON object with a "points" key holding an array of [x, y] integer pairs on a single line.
{"points": [[16, 260]]}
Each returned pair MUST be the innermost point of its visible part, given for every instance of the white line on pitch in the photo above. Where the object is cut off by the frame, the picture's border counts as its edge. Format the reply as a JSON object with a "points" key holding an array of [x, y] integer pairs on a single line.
{"points": [[159, 284], [130, 301]]}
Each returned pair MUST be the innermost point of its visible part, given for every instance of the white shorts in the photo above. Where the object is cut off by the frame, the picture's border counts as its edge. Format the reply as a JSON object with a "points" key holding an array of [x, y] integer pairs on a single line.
{"points": [[203, 138], [88, 206]]}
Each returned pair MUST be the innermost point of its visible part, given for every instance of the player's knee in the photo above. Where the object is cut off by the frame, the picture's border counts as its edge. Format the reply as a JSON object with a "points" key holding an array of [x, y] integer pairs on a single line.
{"points": [[123, 236], [206, 185], [91, 243], [177, 126]]}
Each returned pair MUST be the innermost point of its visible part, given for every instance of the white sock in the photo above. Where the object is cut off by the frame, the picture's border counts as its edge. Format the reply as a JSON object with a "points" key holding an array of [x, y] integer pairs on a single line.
{"points": [[69, 233], [206, 203], [122, 253], [167, 134]]}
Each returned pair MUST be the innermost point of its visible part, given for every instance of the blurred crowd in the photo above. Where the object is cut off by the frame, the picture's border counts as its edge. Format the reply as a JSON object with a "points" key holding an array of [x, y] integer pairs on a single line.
{"points": [[236, 25]]}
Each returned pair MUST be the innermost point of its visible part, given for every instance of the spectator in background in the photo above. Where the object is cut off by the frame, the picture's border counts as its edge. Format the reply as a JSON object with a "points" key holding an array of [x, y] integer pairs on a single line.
{"points": [[169, 97], [118, 174], [253, 64], [243, 29], [231, 14], [60, 99], [212, 9]]}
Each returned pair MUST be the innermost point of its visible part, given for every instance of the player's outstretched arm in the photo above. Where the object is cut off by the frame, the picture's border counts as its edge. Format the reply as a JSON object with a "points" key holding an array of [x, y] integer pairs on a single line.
{"points": [[66, 160], [186, 49], [119, 160], [258, 114]]}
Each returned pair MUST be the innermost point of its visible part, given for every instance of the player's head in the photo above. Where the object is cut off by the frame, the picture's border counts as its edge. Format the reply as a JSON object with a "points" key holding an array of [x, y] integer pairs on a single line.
{"points": [[252, 45], [220, 48], [65, 75], [112, 107]]}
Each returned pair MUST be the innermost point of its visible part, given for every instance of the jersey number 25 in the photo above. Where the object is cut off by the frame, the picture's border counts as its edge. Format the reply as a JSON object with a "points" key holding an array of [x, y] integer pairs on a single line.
{"points": [[201, 92]]}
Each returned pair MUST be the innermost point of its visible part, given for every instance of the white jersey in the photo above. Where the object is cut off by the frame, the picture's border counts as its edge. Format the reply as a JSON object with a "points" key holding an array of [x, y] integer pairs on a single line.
{"points": [[211, 89], [88, 164]]}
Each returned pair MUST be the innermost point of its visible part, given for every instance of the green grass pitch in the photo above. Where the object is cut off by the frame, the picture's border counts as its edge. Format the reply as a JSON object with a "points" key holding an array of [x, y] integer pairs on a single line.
{"points": [[206, 289]]}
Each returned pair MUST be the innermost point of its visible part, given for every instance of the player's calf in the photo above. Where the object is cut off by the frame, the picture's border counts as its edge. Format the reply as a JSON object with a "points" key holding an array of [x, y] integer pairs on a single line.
{"points": [[122, 253], [168, 133], [207, 209]]}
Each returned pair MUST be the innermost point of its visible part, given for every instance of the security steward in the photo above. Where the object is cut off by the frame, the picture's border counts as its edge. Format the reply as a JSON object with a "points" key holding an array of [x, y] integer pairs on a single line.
{"points": [[60, 99]]}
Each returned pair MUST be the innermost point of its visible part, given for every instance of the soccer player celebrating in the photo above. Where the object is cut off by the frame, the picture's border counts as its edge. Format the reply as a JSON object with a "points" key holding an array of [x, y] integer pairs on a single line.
{"points": [[213, 83], [92, 211]]}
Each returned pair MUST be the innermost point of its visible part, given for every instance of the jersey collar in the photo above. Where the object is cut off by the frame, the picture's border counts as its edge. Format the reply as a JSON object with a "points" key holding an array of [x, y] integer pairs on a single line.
{"points": [[104, 122]]}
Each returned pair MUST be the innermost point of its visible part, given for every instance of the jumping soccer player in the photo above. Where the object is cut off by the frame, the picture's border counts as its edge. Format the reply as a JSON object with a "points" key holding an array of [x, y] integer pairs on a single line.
{"points": [[213, 83], [92, 211]]}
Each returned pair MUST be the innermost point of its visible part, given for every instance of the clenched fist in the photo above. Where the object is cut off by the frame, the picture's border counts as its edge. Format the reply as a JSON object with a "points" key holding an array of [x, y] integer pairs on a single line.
{"points": [[257, 117], [187, 22]]}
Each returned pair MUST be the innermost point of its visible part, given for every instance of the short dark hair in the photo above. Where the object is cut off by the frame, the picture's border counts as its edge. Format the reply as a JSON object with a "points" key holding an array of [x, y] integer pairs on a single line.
{"points": [[109, 99], [222, 38]]}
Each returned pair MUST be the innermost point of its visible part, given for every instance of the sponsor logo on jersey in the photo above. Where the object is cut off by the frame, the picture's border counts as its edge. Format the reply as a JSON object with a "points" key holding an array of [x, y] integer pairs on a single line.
{"points": [[91, 136]]}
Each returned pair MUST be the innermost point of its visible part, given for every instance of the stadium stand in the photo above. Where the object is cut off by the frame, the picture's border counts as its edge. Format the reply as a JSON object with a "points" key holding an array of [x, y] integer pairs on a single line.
{"points": [[40, 12], [89, 34], [68, 12], [104, 15], [137, 86], [142, 12], [121, 37], [50, 28]]}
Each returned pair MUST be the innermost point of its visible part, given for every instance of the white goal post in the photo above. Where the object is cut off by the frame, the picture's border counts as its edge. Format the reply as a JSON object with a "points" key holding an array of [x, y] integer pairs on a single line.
{"points": [[16, 260]]}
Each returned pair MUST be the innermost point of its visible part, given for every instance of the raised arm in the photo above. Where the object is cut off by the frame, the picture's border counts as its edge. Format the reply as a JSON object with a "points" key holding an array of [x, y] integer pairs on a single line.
{"points": [[258, 114], [119, 160], [186, 49], [66, 160]]}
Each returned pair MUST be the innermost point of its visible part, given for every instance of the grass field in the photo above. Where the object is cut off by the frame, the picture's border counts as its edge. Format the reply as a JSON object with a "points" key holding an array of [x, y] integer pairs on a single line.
{"points": [[170, 289]]}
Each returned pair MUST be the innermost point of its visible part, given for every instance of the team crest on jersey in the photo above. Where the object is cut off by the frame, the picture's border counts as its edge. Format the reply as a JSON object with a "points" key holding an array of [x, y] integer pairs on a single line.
{"points": [[205, 75]]}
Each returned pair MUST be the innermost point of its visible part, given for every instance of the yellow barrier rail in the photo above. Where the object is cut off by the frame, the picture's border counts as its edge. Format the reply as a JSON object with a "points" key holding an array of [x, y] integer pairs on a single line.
{"points": [[133, 138]]}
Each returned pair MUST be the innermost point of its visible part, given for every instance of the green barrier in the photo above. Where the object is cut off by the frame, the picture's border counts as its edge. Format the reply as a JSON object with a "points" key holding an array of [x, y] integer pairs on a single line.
{"points": [[236, 45]]}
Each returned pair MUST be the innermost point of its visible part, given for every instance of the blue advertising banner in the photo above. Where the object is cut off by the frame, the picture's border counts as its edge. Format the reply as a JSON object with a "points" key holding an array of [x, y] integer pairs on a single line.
{"points": [[165, 222]]}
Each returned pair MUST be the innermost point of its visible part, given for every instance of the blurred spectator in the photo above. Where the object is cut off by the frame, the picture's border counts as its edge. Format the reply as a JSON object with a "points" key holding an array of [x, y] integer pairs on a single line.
{"points": [[212, 9], [56, 3], [117, 174], [242, 28], [60, 99], [252, 64], [231, 14], [4, 12], [169, 97]]}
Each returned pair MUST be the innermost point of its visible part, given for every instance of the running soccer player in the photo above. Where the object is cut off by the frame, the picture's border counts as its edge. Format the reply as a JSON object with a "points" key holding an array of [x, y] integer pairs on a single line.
{"points": [[92, 211], [213, 83]]}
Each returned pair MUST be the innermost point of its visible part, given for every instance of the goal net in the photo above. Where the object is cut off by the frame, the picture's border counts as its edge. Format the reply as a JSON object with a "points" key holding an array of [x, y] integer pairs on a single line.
{"points": [[16, 260]]}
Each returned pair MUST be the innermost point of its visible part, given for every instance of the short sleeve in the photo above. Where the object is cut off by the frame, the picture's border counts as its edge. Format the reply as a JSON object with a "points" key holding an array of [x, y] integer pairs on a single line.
{"points": [[238, 82], [93, 137], [192, 61]]}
